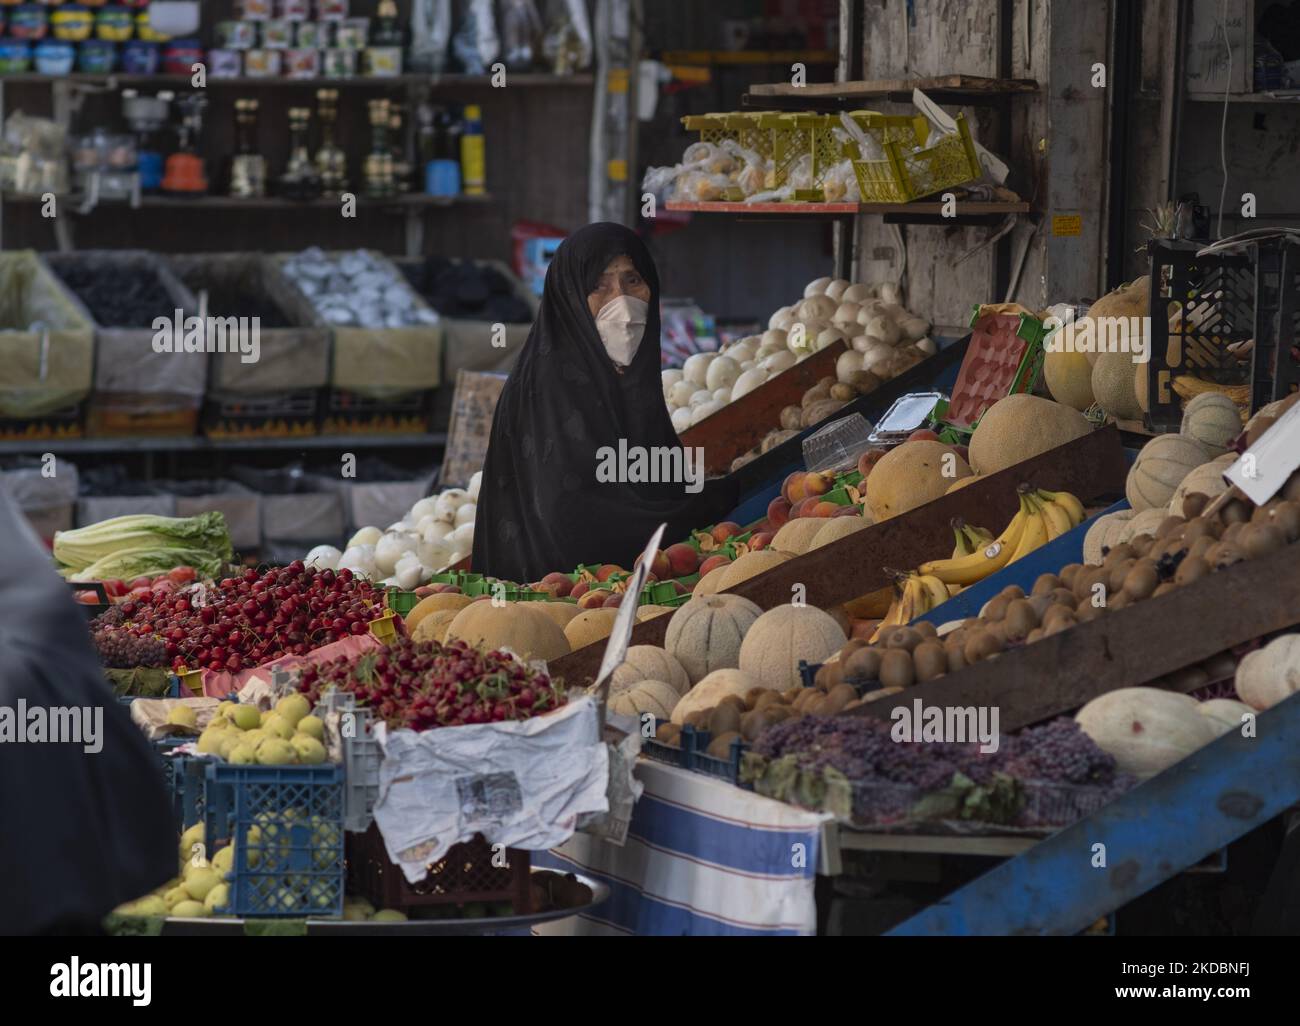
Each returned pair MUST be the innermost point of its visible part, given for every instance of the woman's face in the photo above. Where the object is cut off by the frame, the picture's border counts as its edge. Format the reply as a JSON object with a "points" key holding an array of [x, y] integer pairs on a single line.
{"points": [[620, 278]]}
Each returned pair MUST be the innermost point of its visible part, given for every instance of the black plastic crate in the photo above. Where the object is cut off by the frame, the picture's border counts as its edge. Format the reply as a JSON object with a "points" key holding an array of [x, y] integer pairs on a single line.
{"points": [[274, 415], [68, 422], [1216, 296], [348, 413], [1275, 361]]}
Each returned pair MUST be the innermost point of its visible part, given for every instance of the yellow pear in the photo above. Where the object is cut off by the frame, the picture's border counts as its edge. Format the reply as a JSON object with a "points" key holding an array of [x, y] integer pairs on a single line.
{"points": [[183, 716], [246, 717], [310, 751], [313, 726], [293, 707], [278, 725], [190, 910]]}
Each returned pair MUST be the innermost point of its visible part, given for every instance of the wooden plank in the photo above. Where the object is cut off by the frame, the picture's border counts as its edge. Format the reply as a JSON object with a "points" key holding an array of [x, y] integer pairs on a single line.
{"points": [[965, 208], [741, 425], [1089, 467], [976, 85], [747, 57], [935, 844], [1124, 648]]}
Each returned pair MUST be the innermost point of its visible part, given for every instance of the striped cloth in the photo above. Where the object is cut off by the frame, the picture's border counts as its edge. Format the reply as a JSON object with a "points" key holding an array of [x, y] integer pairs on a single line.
{"points": [[702, 857]]}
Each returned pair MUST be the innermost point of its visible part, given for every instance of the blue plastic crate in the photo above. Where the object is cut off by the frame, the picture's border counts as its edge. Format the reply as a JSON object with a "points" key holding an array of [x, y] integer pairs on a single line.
{"points": [[286, 823]]}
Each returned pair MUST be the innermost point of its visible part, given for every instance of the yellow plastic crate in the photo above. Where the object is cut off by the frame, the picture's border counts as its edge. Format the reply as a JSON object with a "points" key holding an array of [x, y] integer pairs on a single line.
{"points": [[909, 170], [745, 129]]}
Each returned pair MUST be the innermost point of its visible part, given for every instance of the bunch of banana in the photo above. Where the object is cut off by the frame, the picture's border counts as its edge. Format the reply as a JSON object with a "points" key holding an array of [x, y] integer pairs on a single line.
{"points": [[1042, 516], [915, 594], [969, 539]]}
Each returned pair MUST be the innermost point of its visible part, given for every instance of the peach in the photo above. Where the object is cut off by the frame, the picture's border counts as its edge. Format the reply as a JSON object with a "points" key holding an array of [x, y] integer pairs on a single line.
{"points": [[792, 488], [683, 559], [593, 599], [683, 589], [725, 530], [848, 511], [817, 484], [923, 435], [660, 568], [563, 586], [760, 540], [778, 511], [607, 571], [806, 506], [579, 589], [868, 460], [825, 509], [613, 601], [712, 563]]}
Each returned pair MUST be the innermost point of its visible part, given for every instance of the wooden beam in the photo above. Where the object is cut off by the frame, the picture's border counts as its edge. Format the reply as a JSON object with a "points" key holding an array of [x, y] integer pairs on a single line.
{"points": [[1089, 467], [976, 85], [1120, 649]]}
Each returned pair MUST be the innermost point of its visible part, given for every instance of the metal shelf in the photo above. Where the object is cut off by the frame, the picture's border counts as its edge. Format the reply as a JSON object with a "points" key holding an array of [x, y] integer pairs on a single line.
{"points": [[113, 81], [959, 89], [920, 211], [409, 201], [198, 443]]}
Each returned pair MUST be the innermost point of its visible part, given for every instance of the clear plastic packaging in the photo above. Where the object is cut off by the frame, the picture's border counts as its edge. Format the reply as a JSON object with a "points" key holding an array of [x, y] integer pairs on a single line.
{"points": [[837, 446], [907, 414]]}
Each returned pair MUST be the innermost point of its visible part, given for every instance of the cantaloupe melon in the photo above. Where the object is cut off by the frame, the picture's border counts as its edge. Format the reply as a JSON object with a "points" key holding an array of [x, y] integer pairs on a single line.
{"points": [[1141, 388], [1274, 409], [1225, 715], [528, 634], [797, 535], [433, 626], [1213, 420], [646, 696], [706, 633], [1069, 378], [751, 564], [649, 662], [962, 482], [712, 689], [1129, 300], [1147, 730], [783, 636], [560, 612], [910, 475], [1018, 427], [1270, 674], [1146, 522], [589, 627], [1114, 386], [1104, 534], [1160, 467], [649, 612], [836, 528], [430, 603], [710, 582], [1207, 479]]}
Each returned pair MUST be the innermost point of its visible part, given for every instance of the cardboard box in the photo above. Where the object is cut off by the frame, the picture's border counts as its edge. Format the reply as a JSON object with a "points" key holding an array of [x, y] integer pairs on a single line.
{"points": [[94, 509], [315, 517], [243, 515]]}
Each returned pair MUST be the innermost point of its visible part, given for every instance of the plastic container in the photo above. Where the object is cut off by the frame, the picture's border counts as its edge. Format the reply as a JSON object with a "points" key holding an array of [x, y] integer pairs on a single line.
{"points": [[383, 61], [28, 22], [180, 56], [144, 29], [72, 24], [277, 34], [465, 875], [340, 63], [286, 823], [838, 445], [361, 759], [15, 57], [53, 57], [1004, 356], [236, 35], [114, 25], [401, 602], [95, 57], [906, 414], [141, 58]]}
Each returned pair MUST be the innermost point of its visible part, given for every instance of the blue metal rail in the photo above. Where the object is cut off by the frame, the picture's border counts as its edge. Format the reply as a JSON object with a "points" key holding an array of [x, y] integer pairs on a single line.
{"points": [[1153, 832]]}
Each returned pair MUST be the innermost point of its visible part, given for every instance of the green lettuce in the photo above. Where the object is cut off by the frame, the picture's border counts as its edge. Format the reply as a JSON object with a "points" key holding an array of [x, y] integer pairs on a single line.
{"points": [[144, 544]]}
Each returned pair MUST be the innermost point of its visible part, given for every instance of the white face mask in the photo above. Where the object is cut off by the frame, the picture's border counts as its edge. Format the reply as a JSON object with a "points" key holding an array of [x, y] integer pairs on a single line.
{"points": [[621, 323]]}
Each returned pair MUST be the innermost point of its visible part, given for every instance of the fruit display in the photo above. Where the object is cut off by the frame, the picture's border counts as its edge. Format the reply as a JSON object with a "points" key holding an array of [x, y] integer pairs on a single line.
{"points": [[852, 766], [436, 533], [119, 591], [252, 618], [119, 649], [423, 685], [356, 289], [885, 341], [1019, 427], [286, 735], [143, 545]]}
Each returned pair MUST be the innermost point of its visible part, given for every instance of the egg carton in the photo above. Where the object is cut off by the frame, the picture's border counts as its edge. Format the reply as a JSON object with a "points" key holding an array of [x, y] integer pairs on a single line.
{"points": [[1005, 356]]}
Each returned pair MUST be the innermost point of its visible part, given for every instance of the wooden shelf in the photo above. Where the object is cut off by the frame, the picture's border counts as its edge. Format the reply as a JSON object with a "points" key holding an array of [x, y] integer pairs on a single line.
{"points": [[414, 200], [921, 211], [195, 443], [1280, 96], [357, 81], [967, 89], [732, 58]]}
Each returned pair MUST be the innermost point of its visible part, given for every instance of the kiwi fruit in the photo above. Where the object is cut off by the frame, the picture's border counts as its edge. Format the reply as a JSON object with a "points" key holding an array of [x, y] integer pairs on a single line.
{"points": [[1021, 618], [753, 723], [956, 654], [1083, 584], [1234, 511], [905, 638], [1118, 554], [1063, 597], [1142, 545], [926, 629], [982, 646], [698, 719], [1040, 604], [720, 746], [668, 734], [1086, 611], [885, 633], [1118, 573], [1045, 585], [818, 705], [1200, 547], [1260, 540], [896, 669], [828, 675], [1057, 614], [1224, 554], [1193, 568], [1232, 532], [767, 698], [777, 712], [1068, 573], [737, 702], [1118, 601], [996, 608], [1286, 518], [872, 696], [1036, 634], [1263, 514], [1169, 525], [929, 660], [752, 696], [1141, 580], [1194, 504], [1013, 592], [840, 696], [724, 719], [863, 665], [1164, 589], [1057, 624]]}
